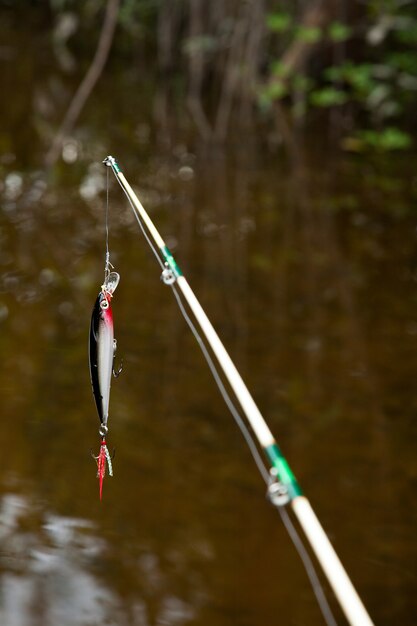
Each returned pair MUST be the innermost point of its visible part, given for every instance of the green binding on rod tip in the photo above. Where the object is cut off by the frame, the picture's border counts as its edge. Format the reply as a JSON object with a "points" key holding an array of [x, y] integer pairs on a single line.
{"points": [[172, 264], [285, 474]]}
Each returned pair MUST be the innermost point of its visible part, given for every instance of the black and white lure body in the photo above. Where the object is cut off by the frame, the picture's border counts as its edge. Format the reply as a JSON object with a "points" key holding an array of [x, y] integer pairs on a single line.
{"points": [[102, 348]]}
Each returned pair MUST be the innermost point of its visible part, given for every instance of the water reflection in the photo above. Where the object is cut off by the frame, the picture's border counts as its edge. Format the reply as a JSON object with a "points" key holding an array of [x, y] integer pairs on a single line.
{"points": [[47, 561], [49, 573]]}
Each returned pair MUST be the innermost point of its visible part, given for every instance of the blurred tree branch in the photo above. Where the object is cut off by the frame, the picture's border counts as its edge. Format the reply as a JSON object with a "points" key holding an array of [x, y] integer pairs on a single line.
{"points": [[317, 15], [196, 72], [88, 83]]}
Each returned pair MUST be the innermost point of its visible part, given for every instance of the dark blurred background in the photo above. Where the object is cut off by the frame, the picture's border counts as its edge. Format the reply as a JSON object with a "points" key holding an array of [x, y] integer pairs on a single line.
{"points": [[273, 144]]}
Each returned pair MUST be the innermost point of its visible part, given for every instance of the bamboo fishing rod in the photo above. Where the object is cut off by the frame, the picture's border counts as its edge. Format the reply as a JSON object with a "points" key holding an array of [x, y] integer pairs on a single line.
{"points": [[283, 487]]}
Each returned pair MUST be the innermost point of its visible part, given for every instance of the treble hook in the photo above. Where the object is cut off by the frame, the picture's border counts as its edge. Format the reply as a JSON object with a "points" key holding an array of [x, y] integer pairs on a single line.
{"points": [[116, 372], [102, 460], [93, 456]]}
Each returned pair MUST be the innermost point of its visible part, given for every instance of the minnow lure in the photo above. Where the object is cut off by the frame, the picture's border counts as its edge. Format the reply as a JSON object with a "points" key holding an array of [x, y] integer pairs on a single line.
{"points": [[102, 349]]}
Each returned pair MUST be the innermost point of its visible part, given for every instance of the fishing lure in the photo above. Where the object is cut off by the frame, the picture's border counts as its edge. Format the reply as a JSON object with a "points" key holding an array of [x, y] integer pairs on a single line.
{"points": [[102, 349]]}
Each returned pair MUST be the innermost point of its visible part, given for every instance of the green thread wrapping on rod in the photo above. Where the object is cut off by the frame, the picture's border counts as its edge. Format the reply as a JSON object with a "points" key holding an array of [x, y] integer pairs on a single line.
{"points": [[285, 474], [116, 166], [172, 264]]}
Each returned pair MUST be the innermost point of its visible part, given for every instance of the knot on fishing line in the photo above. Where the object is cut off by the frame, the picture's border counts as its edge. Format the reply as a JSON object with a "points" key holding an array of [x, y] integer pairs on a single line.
{"points": [[277, 492]]}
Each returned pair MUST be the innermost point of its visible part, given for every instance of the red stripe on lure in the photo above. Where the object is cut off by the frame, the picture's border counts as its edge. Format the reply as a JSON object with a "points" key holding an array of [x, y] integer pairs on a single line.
{"points": [[102, 348]]}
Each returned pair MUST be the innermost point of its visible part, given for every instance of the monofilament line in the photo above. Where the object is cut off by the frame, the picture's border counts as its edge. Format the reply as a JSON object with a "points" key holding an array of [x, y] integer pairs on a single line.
{"points": [[107, 260]]}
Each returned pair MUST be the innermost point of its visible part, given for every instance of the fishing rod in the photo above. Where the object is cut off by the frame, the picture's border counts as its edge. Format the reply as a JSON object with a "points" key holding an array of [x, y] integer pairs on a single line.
{"points": [[283, 487]]}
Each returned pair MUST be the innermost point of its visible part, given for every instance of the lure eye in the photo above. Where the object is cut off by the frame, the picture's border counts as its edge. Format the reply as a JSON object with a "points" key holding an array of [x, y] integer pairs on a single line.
{"points": [[104, 304]]}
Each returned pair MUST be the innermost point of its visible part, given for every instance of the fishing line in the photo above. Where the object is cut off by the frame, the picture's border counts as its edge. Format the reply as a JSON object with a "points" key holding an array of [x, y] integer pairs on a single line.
{"points": [[226, 397], [139, 221], [288, 524], [107, 262], [308, 566]]}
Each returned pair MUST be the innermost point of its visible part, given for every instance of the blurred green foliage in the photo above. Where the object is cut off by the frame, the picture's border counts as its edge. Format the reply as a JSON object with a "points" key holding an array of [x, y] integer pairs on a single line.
{"points": [[356, 58], [390, 138], [279, 22], [368, 70]]}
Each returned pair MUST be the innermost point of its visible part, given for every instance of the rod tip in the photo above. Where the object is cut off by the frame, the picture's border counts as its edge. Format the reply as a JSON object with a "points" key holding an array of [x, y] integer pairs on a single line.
{"points": [[109, 161]]}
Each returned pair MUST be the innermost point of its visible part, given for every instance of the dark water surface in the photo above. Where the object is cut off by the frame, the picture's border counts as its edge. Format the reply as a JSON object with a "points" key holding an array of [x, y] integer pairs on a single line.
{"points": [[306, 264]]}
